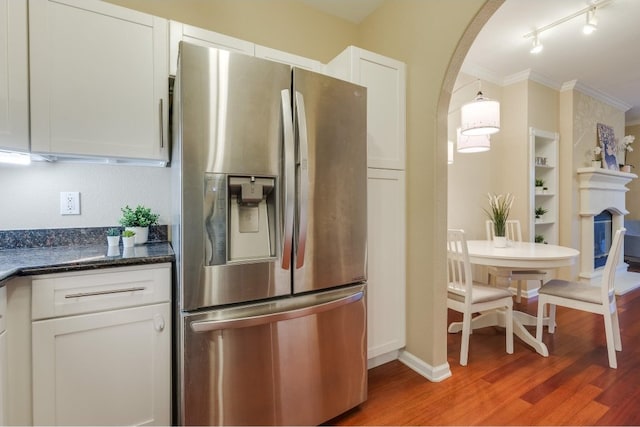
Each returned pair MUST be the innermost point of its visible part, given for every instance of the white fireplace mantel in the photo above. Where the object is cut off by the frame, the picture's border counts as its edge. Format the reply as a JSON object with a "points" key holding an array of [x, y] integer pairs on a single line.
{"points": [[599, 190]]}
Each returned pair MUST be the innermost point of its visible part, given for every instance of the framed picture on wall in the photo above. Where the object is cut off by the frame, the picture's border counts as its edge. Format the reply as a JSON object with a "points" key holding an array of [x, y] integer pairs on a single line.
{"points": [[607, 142]]}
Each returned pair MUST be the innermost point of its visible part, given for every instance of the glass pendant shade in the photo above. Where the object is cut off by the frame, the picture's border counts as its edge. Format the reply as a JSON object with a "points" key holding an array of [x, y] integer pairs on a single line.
{"points": [[473, 143], [449, 152], [480, 116]]}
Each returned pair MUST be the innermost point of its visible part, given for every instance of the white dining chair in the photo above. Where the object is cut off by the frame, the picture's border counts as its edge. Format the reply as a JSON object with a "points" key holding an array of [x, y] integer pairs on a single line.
{"points": [[468, 297], [513, 232], [594, 299]]}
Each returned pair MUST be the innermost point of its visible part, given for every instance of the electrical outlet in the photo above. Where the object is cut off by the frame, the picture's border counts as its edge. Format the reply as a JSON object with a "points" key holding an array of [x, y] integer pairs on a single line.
{"points": [[69, 203]]}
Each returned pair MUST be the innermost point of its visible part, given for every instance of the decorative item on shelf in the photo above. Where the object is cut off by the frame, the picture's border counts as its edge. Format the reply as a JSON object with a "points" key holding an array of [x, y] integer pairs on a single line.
{"points": [[596, 159], [499, 208], [607, 141], [539, 212], [113, 237], [539, 185], [625, 147], [545, 190], [539, 238], [138, 220], [626, 168], [128, 238]]}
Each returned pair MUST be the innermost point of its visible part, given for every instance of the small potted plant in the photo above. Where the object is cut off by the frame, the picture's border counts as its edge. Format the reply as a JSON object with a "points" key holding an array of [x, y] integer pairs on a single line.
{"points": [[128, 238], [499, 208], [540, 211], [138, 220], [113, 237], [539, 185], [539, 238]]}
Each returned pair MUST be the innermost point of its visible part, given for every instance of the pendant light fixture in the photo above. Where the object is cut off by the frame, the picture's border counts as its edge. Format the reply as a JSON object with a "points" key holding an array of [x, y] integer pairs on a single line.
{"points": [[480, 116], [450, 152], [473, 143]]}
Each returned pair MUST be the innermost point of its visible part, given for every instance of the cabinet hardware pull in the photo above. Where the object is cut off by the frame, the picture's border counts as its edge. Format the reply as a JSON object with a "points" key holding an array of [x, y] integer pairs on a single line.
{"points": [[161, 126], [112, 291]]}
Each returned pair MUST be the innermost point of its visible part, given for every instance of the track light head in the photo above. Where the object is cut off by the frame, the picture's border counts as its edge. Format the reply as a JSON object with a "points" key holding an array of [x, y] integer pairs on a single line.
{"points": [[537, 46], [592, 22]]}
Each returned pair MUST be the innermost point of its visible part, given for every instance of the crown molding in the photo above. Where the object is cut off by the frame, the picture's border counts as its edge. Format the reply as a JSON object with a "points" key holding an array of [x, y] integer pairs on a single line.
{"points": [[533, 76], [595, 93]]}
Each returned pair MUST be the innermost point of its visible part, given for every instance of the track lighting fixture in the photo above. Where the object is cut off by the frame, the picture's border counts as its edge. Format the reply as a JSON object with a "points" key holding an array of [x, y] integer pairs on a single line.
{"points": [[537, 46], [590, 26], [592, 22]]}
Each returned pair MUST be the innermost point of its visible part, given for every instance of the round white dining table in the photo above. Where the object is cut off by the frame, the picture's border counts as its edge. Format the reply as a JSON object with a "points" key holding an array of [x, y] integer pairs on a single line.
{"points": [[516, 256], [521, 255]]}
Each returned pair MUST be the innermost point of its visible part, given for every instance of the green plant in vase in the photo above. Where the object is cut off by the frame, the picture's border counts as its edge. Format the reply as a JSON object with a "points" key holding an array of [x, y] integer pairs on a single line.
{"points": [[138, 220], [540, 211], [499, 209]]}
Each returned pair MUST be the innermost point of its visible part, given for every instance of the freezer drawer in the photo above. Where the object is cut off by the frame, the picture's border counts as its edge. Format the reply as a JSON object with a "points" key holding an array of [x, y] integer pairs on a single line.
{"points": [[297, 361]]}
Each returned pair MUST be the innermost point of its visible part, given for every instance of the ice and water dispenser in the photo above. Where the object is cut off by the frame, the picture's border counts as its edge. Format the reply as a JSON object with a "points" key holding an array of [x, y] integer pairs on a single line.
{"points": [[240, 221]]}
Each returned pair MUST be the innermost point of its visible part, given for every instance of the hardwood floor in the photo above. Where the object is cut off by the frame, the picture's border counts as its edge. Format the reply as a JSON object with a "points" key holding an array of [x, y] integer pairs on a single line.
{"points": [[573, 386]]}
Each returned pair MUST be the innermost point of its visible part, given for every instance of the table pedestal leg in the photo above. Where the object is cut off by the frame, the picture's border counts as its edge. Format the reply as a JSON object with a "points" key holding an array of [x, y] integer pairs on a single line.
{"points": [[496, 318]]}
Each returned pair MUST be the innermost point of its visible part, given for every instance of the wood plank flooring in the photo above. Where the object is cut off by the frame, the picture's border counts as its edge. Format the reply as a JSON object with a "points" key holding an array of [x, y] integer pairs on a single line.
{"points": [[573, 386]]}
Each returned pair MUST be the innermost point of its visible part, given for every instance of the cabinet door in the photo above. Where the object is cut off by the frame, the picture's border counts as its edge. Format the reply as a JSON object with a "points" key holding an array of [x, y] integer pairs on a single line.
{"points": [[386, 264], [384, 79], [108, 368], [182, 32], [14, 74], [99, 80]]}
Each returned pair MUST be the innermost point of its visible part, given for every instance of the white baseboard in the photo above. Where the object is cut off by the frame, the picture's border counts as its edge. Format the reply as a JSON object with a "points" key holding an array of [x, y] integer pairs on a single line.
{"points": [[432, 373], [382, 359]]}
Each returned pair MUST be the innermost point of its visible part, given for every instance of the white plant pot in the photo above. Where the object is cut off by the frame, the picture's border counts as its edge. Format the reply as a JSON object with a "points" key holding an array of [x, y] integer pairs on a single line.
{"points": [[128, 242], [539, 190], [500, 242], [113, 240], [626, 168], [142, 234], [596, 164]]}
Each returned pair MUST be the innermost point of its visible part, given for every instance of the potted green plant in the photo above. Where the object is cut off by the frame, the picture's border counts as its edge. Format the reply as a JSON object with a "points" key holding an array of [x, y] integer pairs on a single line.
{"points": [[539, 212], [499, 208], [128, 238], [113, 237], [539, 185], [539, 238], [138, 220]]}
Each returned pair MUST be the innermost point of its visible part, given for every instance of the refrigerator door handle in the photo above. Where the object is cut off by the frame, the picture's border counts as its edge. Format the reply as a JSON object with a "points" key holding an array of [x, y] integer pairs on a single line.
{"points": [[288, 177], [303, 152], [263, 319]]}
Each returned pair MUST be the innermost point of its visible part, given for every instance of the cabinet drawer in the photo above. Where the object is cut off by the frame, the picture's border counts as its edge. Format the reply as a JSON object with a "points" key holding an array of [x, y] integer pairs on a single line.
{"points": [[64, 294], [3, 308]]}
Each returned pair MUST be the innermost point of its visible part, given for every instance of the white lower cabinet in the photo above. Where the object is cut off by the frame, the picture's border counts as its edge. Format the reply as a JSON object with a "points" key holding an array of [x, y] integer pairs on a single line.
{"points": [[386, 264], [107, 359]]}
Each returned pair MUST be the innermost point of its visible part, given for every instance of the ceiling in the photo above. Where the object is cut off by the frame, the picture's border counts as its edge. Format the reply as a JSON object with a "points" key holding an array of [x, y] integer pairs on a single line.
{"points": [[605, 63]]}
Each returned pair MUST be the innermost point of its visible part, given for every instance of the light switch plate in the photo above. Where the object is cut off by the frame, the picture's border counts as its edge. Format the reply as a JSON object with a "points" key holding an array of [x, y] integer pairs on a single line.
{"points": [[69, 203]]}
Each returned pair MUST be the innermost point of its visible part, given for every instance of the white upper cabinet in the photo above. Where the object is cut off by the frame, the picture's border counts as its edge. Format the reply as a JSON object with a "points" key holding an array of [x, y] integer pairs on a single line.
{"points": [[384, 79], [99, 80], [288, 58], [14, 75], [182, 32]]}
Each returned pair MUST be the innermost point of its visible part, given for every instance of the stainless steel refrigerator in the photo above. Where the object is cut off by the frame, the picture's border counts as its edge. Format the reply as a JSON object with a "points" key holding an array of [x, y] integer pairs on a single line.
{"points": [[270, 234]]}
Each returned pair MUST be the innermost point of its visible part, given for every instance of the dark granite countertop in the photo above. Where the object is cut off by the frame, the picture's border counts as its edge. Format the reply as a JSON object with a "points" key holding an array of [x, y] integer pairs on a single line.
{"points": [[29, 252], [30, 261]]}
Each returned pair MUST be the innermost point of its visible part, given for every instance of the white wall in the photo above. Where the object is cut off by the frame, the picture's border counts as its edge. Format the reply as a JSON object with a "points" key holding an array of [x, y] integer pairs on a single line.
{"points": [[31, 195]]}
